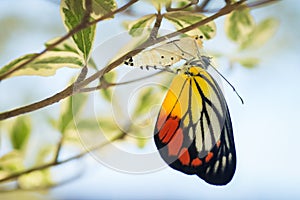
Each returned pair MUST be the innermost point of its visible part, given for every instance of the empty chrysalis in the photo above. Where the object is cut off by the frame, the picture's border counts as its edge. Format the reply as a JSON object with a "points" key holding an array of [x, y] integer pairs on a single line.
{"points": [[165, 55]]}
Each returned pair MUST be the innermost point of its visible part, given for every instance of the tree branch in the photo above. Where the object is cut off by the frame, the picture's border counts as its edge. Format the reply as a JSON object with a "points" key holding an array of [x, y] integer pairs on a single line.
{"points": [[76, 29]]}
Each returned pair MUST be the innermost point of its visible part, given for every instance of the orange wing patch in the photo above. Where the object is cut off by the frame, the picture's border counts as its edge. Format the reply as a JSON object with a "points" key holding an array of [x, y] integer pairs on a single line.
{"points": [[184, 156], [176, 143]]}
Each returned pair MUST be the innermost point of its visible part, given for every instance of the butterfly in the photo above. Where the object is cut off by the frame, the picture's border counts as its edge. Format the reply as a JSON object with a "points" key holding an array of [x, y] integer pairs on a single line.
{"points": [[165, 55], [193, 132]]}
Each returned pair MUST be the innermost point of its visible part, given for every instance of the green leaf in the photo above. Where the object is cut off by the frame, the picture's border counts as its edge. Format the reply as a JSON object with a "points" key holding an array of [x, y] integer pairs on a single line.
{"points": [[182, 19], [146, 99], [238, 24], [36, 179], [110, 77], [139, 26], [92, 64], [107, 92], [141, 140], [68, 45], [12, 162], [45, 154], [20, 132], [248, 62], [183, 3], [260, 34], [141, 133], [70, 110], [102, 7], [64, 54], [72, 14], [158, 4], [45, 65], [108, 125], [87, 124]]}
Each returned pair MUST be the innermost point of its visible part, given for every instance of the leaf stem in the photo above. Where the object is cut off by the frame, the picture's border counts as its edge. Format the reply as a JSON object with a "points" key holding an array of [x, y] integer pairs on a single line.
{"points": [[58, 149]]}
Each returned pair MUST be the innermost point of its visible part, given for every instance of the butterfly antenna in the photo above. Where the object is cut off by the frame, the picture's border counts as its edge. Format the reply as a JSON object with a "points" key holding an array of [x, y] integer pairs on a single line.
{"points": [[228, 83]]}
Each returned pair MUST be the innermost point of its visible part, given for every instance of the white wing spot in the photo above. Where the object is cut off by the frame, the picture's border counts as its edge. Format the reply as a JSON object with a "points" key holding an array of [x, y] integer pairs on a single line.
{"points": [[230, 157], [223, 163], [216, 166]]}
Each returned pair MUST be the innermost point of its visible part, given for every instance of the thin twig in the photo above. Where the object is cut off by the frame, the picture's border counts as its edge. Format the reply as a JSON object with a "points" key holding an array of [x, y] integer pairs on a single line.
{"points": [[107, 84], [54, 163], [43, 187], [260, 3], [202, 6], [82, 74], [249, 5], [154, 31], [110, 14], [76, 29], [58, 149]]}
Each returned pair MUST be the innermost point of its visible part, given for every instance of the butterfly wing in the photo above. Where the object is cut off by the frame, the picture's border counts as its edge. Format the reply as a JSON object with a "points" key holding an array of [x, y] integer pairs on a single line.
{"points": [[193, 132]]}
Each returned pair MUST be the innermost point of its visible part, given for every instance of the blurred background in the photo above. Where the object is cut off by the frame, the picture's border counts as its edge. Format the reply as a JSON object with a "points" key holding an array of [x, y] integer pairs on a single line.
{"points": [[265, 127]]}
